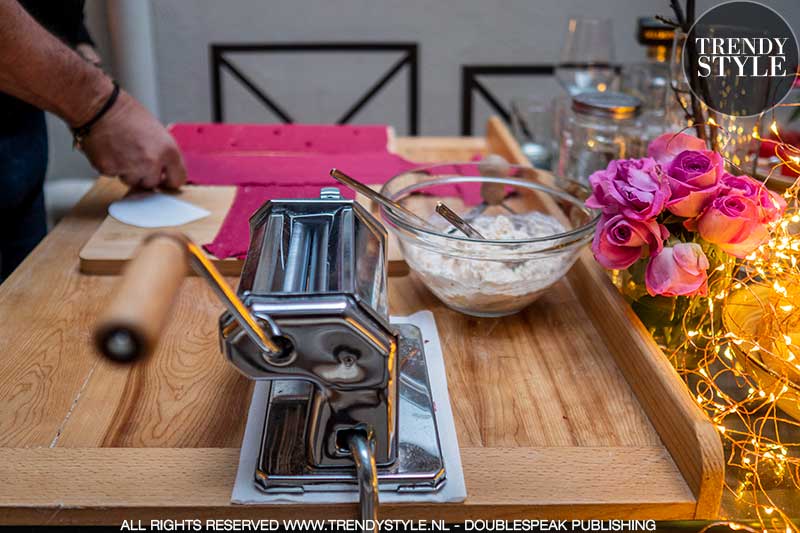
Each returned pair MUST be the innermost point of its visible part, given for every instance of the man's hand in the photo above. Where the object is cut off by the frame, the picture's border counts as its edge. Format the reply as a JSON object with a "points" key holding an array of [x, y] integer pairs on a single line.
{"points": [[127, 141], [130, 143]]}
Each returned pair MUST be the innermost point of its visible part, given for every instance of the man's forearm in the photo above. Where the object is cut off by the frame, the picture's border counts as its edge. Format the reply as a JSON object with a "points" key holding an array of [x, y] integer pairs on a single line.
{"points": [[38, 68]]}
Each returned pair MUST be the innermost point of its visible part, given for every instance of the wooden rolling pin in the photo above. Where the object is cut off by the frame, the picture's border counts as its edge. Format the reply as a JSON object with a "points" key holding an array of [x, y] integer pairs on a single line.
{"points": [[130, 326]]}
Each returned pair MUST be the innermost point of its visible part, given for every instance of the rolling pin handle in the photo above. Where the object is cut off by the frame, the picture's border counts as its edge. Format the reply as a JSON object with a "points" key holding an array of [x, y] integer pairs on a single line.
{"points": [[130, 326]]}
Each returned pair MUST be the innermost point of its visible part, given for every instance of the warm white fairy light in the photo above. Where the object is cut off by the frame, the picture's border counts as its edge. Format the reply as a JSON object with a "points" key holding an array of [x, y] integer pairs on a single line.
{"points": [[740, 417]]}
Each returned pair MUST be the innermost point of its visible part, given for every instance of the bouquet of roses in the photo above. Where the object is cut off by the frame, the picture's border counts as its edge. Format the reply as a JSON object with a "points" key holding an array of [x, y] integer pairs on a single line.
{"points": [[672, 207]]}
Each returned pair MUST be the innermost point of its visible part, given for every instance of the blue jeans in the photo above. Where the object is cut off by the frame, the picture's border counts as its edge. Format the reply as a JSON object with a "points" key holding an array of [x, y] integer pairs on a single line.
{"points": [[23, 163]]}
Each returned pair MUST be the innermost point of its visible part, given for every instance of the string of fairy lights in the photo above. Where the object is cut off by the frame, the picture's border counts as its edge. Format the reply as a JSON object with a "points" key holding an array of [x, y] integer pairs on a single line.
{"points": [[741, 359]]}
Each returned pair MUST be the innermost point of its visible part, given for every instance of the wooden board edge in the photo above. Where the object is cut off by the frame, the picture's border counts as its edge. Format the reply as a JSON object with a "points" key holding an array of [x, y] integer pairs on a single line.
{"points": [[690, 437], [227, 267], [91, 267], [115, 267], [113, 516], [198, 481], [684, 429]]}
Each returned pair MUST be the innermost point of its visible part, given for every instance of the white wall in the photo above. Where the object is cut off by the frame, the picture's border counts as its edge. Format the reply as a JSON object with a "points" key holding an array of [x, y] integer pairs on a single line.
{"points": [[450, 33], [320, 88]]}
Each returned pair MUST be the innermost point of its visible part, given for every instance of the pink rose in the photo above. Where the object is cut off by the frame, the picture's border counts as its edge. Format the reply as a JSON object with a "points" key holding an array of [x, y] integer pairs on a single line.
{"points": [[772, 205], [680, 270], [693, 178], [734, 223], [666, 147], [636, 188], [742, 185], [619, 242]]}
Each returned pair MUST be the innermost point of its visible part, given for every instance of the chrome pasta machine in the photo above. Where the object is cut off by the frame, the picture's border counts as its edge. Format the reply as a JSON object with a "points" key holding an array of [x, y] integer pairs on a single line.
{"points": [[349, 407]]}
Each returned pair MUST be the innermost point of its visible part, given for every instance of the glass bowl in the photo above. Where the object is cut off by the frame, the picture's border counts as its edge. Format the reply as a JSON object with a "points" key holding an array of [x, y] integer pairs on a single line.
{"points": [[533, 235]]}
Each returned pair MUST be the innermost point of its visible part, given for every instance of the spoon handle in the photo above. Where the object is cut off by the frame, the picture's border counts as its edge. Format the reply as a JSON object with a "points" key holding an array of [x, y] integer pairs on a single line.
{"points": [[374, 195]]}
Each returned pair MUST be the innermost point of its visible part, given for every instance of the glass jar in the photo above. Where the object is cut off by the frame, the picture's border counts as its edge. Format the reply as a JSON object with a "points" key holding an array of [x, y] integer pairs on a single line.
{"points": [[601, 126]]}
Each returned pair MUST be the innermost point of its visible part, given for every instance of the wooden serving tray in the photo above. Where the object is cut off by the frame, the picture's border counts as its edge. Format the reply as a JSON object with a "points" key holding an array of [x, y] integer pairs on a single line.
{"points": [[566, 410]]}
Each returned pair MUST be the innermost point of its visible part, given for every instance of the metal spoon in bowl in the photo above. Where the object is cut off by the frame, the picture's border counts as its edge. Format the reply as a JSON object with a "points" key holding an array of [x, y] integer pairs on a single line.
{"points": [[492, 194], [374, 195], [462, 225]]}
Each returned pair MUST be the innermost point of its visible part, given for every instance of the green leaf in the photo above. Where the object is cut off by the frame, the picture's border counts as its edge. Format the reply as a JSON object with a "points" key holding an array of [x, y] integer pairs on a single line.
{"points": [[655, 311]]}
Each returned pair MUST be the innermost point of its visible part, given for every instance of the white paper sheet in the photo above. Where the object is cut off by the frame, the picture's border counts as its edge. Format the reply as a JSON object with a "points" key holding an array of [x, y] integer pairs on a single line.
{"points": [[155, 210], [454, 490]]}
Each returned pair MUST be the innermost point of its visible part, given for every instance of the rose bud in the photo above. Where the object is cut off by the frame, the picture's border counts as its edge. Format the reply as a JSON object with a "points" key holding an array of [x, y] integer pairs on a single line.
{"points": [[680, 270]]}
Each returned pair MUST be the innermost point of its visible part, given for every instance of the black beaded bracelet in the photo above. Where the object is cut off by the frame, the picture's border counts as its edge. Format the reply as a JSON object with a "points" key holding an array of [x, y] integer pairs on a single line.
{"points": [[81, 132]]}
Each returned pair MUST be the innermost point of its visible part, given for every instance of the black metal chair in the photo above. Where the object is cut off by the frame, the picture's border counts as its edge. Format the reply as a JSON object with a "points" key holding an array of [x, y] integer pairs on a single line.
{"points": [[220, 60], [470, 84]]}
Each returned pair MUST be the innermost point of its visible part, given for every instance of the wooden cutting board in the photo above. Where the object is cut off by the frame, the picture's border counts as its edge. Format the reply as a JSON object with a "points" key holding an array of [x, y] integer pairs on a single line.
{"points": [[115, 243]]}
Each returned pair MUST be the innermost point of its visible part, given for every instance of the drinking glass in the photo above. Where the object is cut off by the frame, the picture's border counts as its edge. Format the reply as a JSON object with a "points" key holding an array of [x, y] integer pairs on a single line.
{"points": [[532, 123], [587, 56]]}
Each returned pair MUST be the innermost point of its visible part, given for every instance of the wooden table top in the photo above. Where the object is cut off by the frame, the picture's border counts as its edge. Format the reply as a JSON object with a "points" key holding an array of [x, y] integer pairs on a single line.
{"points": [[160, 438]]}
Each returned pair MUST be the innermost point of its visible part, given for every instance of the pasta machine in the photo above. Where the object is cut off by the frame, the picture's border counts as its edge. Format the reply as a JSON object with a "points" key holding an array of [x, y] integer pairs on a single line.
{"points": [[349, 406]]}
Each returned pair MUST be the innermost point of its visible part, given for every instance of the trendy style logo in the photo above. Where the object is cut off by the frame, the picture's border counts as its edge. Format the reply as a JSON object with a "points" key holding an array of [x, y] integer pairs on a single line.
{"points": [[760, 57], [740, 58]]}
